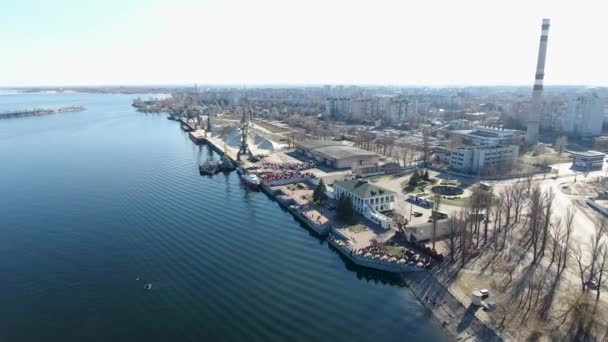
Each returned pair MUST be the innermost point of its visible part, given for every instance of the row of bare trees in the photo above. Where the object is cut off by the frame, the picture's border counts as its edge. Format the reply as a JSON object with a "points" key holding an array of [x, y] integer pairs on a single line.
{"points": [[593, 265]]}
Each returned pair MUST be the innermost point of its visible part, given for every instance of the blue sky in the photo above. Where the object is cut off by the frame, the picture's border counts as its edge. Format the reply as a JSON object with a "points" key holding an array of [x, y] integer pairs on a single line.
{"points": [[431, 42]]}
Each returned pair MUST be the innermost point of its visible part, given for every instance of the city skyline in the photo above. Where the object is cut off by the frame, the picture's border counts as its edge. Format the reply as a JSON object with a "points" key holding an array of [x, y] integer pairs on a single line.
{"points": [[278, 43]]}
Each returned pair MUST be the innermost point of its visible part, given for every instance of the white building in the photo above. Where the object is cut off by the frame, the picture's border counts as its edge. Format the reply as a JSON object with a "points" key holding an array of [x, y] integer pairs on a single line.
{"points": [[489, 136], [476, 159], [584, 116], [368, 199]]}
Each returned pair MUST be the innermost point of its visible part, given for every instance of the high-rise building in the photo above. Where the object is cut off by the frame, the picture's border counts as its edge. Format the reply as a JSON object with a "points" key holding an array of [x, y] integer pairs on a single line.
{"points": [[338, 107], [584, 116]]}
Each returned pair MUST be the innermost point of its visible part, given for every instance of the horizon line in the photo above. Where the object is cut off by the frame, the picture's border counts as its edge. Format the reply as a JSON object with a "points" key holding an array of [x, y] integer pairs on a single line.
{"points": [[277, 84]]}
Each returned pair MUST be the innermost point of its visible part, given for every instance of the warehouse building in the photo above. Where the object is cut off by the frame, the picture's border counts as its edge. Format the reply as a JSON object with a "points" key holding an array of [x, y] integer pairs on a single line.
{"points": [[336, 155]]}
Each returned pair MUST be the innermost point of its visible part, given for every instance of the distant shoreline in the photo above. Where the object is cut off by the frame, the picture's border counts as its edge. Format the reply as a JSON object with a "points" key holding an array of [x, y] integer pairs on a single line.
{"points": [[94, 90], [40, 111]]}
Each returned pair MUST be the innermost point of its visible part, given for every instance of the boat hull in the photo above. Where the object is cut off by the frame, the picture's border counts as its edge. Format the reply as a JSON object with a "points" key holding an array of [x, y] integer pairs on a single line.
{"points": [[250, 185]]}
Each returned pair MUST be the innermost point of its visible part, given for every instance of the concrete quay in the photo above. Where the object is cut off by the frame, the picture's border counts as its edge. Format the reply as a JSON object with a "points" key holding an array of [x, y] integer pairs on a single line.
{"points": [[393, 267], [301, 211], [186, 127], [198, 137]]}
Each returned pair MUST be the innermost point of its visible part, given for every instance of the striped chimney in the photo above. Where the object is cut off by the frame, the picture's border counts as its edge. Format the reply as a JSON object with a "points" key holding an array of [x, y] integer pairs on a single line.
{"points": [[537, 91]]}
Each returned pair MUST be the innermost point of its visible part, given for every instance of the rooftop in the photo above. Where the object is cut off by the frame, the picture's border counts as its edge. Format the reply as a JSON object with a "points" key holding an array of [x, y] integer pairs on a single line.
{"points": [[361, 188], [588, 154], [343, 151], [312, 144], [473, 148], [333, 149]]}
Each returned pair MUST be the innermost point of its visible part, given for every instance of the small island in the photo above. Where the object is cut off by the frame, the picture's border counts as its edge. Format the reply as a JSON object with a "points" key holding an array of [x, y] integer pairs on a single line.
{"points": [[39, 111]]}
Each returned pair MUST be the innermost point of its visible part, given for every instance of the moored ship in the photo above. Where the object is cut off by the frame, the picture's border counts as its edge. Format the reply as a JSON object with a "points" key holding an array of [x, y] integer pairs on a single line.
{"points": [[210, 167], [251, 180]]}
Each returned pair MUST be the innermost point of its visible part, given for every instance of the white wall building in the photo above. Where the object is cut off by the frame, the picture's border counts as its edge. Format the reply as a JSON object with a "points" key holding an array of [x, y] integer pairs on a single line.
{"points": [[368, 199], [474, 159], [584, 116], [489, 136]]}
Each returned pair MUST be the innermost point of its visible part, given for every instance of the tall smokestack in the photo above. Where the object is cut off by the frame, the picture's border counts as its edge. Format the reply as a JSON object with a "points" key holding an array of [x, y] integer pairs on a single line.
{"points": [[537, 92]]}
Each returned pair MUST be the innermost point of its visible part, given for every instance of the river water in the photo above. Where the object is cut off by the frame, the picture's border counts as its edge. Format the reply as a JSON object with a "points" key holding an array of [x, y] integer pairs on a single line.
{"points": [[92, 201]]}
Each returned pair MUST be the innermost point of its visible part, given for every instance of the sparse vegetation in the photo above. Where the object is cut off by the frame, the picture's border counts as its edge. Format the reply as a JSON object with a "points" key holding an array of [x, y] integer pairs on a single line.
{"points": [[515, 241]]}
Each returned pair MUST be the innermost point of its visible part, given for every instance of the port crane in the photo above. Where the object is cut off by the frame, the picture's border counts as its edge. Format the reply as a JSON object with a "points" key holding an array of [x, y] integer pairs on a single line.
{"points": [[245, 124]]}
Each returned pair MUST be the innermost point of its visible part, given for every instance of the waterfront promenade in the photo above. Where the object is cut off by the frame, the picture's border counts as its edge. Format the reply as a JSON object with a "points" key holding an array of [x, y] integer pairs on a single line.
{"points": [[295, 195]]}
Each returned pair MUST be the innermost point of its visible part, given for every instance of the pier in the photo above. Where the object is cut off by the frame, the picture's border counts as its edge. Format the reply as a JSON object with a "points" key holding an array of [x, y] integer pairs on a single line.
{"points": [[198, 136], [186, 126]]}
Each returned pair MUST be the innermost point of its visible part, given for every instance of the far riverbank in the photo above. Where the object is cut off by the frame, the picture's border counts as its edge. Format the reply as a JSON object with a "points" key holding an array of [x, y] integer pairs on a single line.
{"points": [[40, 111]]}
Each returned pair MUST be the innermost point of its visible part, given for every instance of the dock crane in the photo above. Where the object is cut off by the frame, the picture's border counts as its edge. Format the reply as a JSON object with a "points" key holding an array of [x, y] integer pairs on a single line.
{"points": [[245, 123]]}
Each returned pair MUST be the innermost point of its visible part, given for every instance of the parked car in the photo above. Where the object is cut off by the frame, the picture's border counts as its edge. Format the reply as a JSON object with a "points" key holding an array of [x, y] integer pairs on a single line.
{"points": [[489, 306], [417, 213], [591, 285], [484, 293]]}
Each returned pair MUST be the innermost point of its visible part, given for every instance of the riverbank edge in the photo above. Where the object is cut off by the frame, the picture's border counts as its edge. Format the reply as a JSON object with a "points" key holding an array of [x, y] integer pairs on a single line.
{"points": [[443, 306], [424, 285]]}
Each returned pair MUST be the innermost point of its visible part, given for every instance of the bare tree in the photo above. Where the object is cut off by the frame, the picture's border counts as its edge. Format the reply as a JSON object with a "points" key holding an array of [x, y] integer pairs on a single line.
{"points": [[508, 195], [596, 246], [426, 146], [498, 207], [453, 226], [437, 199], [560, 144], [464, 240], [601, 266], [518, 197], [405, 154], [475, 207], [548, 199], [536, 219], [568, 228], [556, 238], [577, 253], [488, 208]]}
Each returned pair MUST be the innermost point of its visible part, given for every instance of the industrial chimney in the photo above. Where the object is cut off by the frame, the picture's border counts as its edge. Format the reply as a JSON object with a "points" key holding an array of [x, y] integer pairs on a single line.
{"points": [[537, 92]]}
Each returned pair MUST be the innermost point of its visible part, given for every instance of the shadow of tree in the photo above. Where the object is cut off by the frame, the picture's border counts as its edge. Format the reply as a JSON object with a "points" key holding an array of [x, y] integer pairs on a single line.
{"points": [[468, 317]]}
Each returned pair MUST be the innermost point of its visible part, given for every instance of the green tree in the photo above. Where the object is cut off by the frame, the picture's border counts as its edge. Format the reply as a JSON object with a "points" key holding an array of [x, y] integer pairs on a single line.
{"points": [[414, 179], [320, 193], [425, 175], [345, 208]]}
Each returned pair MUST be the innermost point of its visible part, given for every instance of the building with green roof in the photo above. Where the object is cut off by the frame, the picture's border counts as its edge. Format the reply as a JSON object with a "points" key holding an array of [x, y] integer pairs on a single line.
{"points": [[368, 199]]}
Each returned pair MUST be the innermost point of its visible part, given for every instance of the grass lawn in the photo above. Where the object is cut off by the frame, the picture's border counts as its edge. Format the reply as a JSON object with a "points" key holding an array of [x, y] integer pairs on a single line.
{"points": [[547, 158], [458, 202], [292, 187], [395, 250], [358, 228], [450, 182]]}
